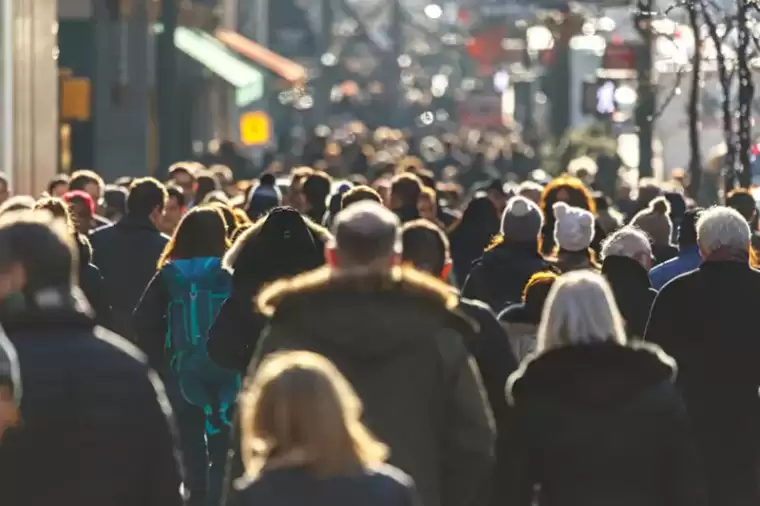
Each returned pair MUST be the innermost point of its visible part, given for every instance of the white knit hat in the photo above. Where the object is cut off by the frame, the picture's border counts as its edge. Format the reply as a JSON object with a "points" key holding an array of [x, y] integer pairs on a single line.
{"points": [[573, 227]]}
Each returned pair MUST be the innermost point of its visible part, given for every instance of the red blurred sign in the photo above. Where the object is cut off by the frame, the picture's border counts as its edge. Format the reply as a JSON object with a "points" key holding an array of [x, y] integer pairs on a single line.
{"points": [[620, 56], [481, 112]]}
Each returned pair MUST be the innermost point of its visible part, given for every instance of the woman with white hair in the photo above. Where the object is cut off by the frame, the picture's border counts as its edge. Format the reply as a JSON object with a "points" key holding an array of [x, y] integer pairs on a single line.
{"points": [[707, 320], [626, 260], [596, 421]]}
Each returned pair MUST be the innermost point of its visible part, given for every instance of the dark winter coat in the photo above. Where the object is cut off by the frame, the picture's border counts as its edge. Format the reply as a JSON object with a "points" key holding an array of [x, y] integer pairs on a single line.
{"points": [[499, 277], [92, 284], [633, 292], [96, 424], [597, 425], [235, 333], [396, 338], [490, 347], [385, 486], [706, 319], [127, 254], [663, 253]]}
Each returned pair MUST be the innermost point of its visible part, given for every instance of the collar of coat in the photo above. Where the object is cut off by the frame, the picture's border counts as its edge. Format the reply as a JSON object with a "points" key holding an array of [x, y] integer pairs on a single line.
{"points": [[599, 374], [328, 280]]}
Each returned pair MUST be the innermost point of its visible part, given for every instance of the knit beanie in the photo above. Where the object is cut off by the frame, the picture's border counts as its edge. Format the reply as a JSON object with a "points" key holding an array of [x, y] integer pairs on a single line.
{"points": [[522, 220], [655, 221], [264, 197], [573, 228]]}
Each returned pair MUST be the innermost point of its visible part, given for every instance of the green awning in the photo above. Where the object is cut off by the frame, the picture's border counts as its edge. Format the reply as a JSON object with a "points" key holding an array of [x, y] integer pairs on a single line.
{"points": [[212, 54]]}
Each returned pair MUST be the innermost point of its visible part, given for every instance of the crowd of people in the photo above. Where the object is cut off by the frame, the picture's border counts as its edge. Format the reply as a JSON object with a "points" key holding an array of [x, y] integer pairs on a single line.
{"points": [[399, 332]]}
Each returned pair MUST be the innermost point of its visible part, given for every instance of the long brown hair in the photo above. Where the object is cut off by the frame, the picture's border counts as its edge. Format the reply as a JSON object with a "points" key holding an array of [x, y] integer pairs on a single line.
{"points": [[202, 232], [300, 411]]}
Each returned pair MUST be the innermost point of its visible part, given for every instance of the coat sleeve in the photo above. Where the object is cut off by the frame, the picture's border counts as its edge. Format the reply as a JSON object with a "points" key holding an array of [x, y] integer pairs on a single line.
{"points": [[515, 486], [685, 473], [93, 285], [163, 463], [469, 432], [149, 321], [661, 325], [235, 333]]}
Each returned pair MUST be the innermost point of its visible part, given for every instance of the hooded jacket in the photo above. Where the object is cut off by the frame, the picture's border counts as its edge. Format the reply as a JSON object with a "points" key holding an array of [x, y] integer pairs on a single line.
{"points": [[600, 424], [499, 277], [399, 342]]}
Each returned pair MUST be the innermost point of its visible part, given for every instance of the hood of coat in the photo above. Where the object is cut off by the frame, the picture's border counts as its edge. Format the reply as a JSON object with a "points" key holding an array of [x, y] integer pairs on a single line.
{"points": [[366, 314], [506, 259], [595, 375], [624, 273]]}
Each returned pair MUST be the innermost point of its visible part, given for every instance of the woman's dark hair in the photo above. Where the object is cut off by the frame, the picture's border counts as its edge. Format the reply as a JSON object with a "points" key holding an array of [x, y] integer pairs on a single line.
{"points": [[479, 224], [202, 232], [145, 195], [205, 183]]}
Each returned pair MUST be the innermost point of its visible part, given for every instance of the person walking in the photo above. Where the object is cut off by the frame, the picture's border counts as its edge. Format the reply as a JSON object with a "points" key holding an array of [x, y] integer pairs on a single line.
{"points": [[127, 252], [391, 331], [596, 420], [688, 257], [172, 321], [706, 320], [655, 221], [626, 260], [500, 275], [303, 441], [573, 232], [96, 425]]}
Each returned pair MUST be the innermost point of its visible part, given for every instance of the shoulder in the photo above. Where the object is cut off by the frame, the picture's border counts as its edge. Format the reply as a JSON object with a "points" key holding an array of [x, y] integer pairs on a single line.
{"points": [[391, 478]]}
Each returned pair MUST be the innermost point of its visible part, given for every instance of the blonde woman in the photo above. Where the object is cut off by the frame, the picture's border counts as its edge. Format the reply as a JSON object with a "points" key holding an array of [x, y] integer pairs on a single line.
{"points": [[303, 441], [596, 421]]}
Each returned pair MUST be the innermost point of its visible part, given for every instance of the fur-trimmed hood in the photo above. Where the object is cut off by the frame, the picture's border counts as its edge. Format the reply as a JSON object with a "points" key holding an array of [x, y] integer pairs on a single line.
{"points": [[598, 375], [364, 312]]}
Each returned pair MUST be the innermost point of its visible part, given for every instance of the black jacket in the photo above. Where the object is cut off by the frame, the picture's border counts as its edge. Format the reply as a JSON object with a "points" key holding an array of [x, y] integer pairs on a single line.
{"points": [[663, 253], [127, 254], [633, 292], [706, 319], [499, 277], [395, 338], [385, 486], [96, 424], [600, 424], [92, 284]]}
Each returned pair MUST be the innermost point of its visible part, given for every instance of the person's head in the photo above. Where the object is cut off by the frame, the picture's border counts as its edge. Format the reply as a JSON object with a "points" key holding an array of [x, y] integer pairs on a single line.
{"points": [[426, 247], [295, 197], [573, 227], [115, 200], [536, 291], [226, 178], [521, 222], [723, 233], [147, 200], [59, 209], [17, 203], [677, 206], [202, 232], [405, 191], [359, 193], [264, 197], [316, 188], [495, 191], [174, 209], [649, 189], [427, 205], [5, 188], [124, 182], [366, 235], [629, 242], [205, 183], [58, 186], [655, 221], [182, 174], [531, 191], [569, 190], [300, 411], [37, 253], [88, 182], [82, 208], [687, 230], [743, 201], [580, 309]]}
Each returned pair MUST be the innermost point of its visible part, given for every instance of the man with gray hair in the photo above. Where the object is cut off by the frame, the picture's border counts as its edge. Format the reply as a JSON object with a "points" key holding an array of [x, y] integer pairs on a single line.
{"points": [[706, 319], [392, 331], [626, 260]]}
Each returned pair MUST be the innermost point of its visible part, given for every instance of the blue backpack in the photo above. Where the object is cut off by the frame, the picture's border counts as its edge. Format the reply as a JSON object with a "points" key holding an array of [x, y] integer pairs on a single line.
{"points": [[197, 289]]}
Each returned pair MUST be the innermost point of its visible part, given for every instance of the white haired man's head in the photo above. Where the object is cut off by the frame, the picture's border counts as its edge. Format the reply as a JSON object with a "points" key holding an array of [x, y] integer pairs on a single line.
{"points": [[722, 229], [629, 242]]}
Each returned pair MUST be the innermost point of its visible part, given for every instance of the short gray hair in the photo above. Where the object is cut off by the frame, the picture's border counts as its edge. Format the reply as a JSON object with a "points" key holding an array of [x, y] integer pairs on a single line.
{"points": [[366, 233], [580, 309], [722, 227], [628, 242]]}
